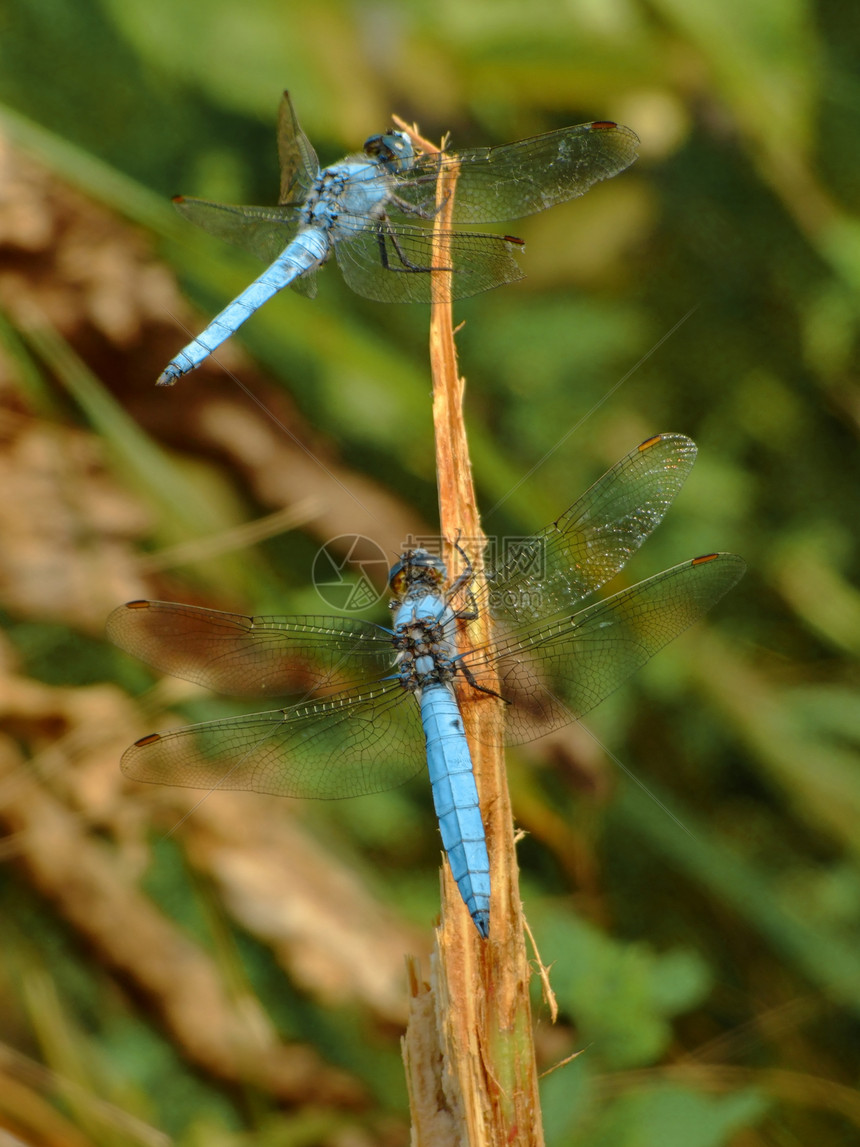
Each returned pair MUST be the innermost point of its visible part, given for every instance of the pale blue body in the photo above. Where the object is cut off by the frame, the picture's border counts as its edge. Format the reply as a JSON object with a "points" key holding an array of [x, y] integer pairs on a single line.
{"points": [[376, 212], [452, 778], [356, 189]]}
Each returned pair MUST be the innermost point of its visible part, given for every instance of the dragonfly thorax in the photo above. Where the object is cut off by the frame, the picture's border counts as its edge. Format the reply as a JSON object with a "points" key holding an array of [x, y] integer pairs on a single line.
{"points": [[325, 198], [424, 640], [346, 197], [424, 623]]}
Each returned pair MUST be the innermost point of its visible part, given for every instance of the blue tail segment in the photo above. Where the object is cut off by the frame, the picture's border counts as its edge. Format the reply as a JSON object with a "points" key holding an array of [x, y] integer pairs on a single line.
{"points": [[455, 797], [304, 253]]}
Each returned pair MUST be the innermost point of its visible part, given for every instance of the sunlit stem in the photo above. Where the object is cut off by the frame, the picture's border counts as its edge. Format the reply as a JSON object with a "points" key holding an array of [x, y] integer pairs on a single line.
{"points": [[470, 1029]]}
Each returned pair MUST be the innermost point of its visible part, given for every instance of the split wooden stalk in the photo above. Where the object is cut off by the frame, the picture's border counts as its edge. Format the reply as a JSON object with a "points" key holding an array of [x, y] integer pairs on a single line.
{"points": [[468, 1048]]}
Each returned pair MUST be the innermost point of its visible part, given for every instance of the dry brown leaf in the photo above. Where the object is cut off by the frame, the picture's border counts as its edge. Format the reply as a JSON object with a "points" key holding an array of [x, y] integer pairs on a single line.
{"points": [[80, 874]]}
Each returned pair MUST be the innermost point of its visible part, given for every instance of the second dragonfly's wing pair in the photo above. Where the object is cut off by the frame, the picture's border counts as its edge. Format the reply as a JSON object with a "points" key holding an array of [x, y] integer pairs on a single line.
{"points": [[375, 211], [358, 730]]}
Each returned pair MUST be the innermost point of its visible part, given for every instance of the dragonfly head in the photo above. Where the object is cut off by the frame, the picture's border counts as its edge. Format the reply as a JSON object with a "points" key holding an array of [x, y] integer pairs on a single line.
{"points": [[394, 150], [417, 569]]}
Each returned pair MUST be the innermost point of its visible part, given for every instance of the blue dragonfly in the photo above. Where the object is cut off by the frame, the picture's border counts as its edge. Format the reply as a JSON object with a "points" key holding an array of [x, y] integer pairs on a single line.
{"points": [[359, 730], [375, 211]]}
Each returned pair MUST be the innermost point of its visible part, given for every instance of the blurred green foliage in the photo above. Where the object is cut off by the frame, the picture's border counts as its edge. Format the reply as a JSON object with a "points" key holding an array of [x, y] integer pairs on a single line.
{"points": [[712, 289]]}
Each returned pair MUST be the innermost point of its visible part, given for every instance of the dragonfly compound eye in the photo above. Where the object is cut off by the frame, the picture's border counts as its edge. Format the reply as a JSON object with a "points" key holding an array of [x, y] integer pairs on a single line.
{"points": [[394, 150], [417, 567]]}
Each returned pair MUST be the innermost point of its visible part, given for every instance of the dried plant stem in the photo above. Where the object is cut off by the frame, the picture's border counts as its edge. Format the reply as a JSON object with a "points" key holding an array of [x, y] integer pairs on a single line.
{"points": [[468, 1049]]}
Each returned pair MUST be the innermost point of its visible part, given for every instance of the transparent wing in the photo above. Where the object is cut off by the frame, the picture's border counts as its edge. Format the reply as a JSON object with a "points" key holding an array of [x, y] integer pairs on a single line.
{"points": [[348, 745], [559, 672], [553, 571], [298, 160], [305, 284], [496, 184], [264, 231], [394, 265], [251, 656]]}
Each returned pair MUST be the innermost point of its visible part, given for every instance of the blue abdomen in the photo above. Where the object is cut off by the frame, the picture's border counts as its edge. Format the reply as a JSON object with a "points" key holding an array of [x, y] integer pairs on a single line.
{"points": [[455, 797]]}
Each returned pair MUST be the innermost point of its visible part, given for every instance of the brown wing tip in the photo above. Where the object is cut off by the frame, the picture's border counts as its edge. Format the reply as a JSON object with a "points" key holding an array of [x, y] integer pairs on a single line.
{"points": [[704, 558]]}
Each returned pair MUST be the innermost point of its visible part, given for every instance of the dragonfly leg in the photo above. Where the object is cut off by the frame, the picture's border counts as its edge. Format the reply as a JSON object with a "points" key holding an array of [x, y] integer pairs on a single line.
{"points": [[385, 232], [462, 582], [473, 681]]}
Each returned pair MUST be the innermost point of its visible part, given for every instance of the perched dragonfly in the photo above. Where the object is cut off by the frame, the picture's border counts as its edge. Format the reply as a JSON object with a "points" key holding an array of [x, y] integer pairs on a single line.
{"points": [[359, 729], [375, 211]]}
